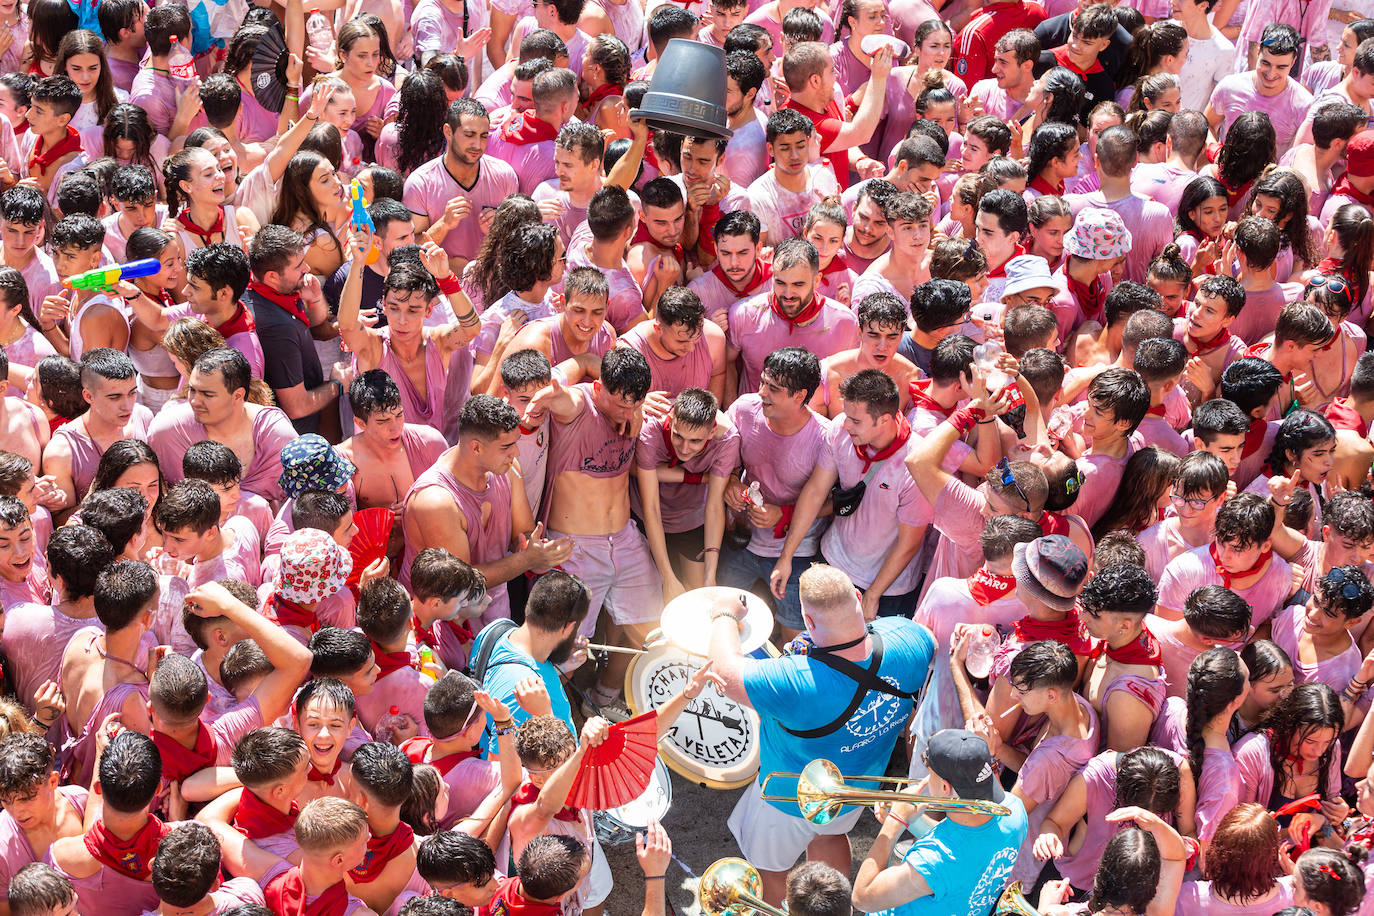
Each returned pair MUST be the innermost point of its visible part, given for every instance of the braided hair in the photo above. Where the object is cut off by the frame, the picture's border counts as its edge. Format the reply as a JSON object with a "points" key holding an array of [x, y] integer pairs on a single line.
{"points": [[1215, 679]]}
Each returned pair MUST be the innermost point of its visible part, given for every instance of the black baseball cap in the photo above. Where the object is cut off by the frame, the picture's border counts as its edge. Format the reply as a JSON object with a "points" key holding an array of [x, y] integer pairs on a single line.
{"points": [[962, 759]]}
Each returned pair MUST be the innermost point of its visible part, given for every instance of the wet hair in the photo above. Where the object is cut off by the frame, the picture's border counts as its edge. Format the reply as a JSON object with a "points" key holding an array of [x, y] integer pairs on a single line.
{"points": [[38, 889], [1328, 877], [955, 259], [1202, 472], [1243, 859], [1067, 91], [80, 231], [678, 306], [1216, 612], [1147, 777], [220, 265], [1285, 186], [186, 865], [418, 809], [448, 704], [1127, 874], [449, 857], [118, 458], [528, 259], [1300, 430], [818, 889], [1333, 591], [1002, 533], [610, 213], [1215, 680], [26, 762], [383, 609], [336, 653], [373, 391], [1264, 658], [745, 68], [938, 304], [1354, 231], [130, 772], [1133, 509], [383, 772], [1200, 189], [267, 755], [1158, 359], [123, 590], [1123, 393], [1250, 383], [187, 504], [525, 368], [625, 373], [1046, 663], [1009, 208], [1307, 708], [1045, 370], [1248, 148], [556, 600], [1169, 267], [951, 359], [1049, 142], [244, 662], [79, 192], [23, 205], [551, 865]]}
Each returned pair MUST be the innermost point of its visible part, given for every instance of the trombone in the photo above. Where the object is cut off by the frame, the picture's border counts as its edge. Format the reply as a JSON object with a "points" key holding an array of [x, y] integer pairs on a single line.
{"points": [[1014, 903], [730, 887], [822, 792]]}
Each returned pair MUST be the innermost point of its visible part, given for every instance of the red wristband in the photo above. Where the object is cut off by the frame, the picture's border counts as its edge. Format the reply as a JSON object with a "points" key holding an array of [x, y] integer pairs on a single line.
{"points": [[780, 529], [963, 420], [450, 285], [692, 477]]}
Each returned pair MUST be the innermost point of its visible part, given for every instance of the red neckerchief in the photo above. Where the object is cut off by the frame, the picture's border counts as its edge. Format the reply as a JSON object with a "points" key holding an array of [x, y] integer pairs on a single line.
{"points": [[1143, 650], [291, 614], [1038, 183], [1228, 577], [524, 128], [1053, 523], [1216, 343], [510, 900], [380, 851], [206, 236], [763, 272], [327, 778], [642, 235], [424, 636], [132, 857], [918, 389], [56, 422], [1001, 269], [1090, 298], [706, 224], [241, 323], [1357, 284], [286, 897], [418, 748], [1155, 411], [40, 159], [673, 459], [1069, 631], [837, 265], [391, 661], [23, 127], [463, 630], [1258, 351], [256, 819], [986, 587], [603, 91], [528, 430], [1254, 438], [179, 761], [528, 794], [892, 448], [1346, 189], [807, 314], [290, 303], [1061, 57], [1343, 416]]}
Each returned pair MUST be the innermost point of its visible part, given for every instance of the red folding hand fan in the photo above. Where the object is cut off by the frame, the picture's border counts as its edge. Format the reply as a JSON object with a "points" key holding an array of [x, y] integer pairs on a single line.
{"points": [[617, 771]]}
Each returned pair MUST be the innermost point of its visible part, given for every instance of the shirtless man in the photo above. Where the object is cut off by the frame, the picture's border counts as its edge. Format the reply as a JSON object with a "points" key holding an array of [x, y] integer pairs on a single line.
{"points": [[216, 408], [23, 427], [580, 328], [1125, 678], [595, 428], [882, 321], [109, 383], [470, 504], [415, 356], [683, 349], [387, 452]]}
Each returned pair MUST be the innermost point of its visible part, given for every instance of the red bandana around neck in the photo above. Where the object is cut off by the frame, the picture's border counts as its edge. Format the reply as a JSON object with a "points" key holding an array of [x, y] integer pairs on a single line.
{"points": [[291, 614], [604, 91], [763, 272], [286, 897], [1090, 298], [1069, 631], [986, 587], [1254, 438], [1357, 283], [1343, 415], [40, 160], [1346, 189], [391, 661], [1143, 650], [673, 459], [892, 448], [1157, 411], [241, 323], [288, 302], [1053, 523], [524, 129], [806, 315], [256, 819], [179, 761], [1038, 183], [327, 778], [1216, 343], [380, 851], [132, 857], [1061, 57], [528, 794], [919, 390], [642, 235], [417, 749], [510, 900], [424, 636], [837, 265], [1228, 577], [206, 236]]}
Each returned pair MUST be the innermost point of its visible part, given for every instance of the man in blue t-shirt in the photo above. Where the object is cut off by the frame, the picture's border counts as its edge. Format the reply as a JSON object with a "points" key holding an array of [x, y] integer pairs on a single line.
{"points": [[961, 866], [826, 703], [535, 649]]}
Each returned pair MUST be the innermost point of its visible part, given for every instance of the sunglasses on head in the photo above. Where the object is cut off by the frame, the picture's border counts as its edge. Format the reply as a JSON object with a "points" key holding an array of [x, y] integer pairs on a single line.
{"points": [[1007, 479], [1339, 582]]}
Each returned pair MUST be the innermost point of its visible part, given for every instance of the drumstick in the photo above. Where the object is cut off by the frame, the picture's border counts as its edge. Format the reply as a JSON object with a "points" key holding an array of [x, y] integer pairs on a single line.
{"points": [[620, 649], [1011, 709]]}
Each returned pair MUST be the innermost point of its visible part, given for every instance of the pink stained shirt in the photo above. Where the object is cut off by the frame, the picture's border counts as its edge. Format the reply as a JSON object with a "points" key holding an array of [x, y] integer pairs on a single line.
{"points": [[958, 517], [86, 451], [626, 305], [41, 277], [404, 688], [1334, 672], [240, 561], [246, 342], [35, 636], [496, 312], [1161, 182], [1157, 431], [256, 123], [996, 100], [175, 429], [781, 465], [899, 110], [1162, 542], [756, 332], [1151, 225], [560, 352], [672, 375], [716, 297], [255, 510], [532, 451], [1176, 656], [572, 215], [15, 849], [430, 187], [860, 543], [1236, 94], [531, 162], [746, 155], [221, 700], [1195, 898], [1195, 569], [1101, 477], [1257, 773], [1308, 18], [1219, 785], [435, 29], [469, 782], [782, 212], [122, 72], [1044, 776], [426, 409], [683, 505], [116, 240], [156, 93], [1261, 311]]}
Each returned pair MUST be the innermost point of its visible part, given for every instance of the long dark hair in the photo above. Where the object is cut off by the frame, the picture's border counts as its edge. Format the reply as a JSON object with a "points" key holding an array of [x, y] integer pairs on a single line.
{"points": [[1215, 679], [83, 41], [420, 120], [1200, 189], [118, 458], [1127, 874], [1151, 471], [1066, 89], [1308, 707], [1354, 229], [49, 20], [1249, 147], [1299, 431], [298, 199], [1052, 140], [1292, 196], [1148, 778], [515, 211], [129, 122]]}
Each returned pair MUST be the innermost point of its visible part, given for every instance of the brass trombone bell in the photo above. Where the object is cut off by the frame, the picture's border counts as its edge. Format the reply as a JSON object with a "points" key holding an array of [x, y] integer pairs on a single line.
{"points": [[733, 887], [822, 791], [1014, 903]]}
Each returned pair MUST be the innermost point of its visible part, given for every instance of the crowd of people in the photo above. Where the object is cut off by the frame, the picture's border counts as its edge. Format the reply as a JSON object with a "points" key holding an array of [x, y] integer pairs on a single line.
{"points": [[364, 364]]}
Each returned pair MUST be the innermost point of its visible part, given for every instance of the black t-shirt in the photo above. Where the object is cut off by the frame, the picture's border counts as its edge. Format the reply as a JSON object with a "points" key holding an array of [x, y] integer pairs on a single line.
{"points": [[371, 293], [1055, 32], [288, 351], [1099, 85]]}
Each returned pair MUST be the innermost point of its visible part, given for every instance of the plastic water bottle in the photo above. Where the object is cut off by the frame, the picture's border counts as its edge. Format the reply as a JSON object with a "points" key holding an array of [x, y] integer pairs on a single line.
{"points": [[319, 31], [387, 725], [429, 664], [981, 649], [755, 495], [985, 357], [180, 64]]}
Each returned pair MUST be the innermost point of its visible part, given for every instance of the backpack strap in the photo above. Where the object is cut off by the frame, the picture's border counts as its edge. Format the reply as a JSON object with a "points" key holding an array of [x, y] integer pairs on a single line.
{"points": [[865, 680], [488, 638]]}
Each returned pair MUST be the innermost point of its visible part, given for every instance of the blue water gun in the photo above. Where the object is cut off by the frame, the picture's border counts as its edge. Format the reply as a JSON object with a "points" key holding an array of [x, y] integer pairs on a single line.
{"points": [[361, 219], [106, 277]]}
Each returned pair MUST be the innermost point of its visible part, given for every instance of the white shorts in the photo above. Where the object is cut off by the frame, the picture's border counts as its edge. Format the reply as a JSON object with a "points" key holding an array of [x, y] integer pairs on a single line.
{"points": [[774, 841]]}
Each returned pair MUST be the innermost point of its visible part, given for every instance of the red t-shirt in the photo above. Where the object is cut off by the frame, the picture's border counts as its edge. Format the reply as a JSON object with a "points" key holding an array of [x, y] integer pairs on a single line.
{"points": [[828, 125], [977, 42]]}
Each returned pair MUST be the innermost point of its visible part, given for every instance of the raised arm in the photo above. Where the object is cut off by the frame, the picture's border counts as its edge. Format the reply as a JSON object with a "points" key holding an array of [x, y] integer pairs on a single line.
{"points": [[365, 342]]}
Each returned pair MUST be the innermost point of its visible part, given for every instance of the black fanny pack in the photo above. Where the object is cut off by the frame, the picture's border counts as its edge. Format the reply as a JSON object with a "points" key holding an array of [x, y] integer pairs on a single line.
{"points": [[846, 499]]}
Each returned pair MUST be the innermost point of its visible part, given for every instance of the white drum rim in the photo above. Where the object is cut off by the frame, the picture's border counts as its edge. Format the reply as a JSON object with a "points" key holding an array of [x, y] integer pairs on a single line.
{"points": [[677, 623]]}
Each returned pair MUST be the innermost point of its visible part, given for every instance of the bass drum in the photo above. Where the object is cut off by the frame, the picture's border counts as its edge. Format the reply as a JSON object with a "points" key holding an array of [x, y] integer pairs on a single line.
{"points": [[715, 742], [619, 825]]}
